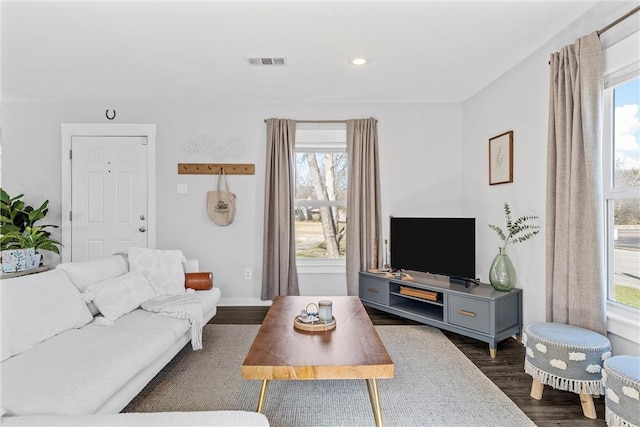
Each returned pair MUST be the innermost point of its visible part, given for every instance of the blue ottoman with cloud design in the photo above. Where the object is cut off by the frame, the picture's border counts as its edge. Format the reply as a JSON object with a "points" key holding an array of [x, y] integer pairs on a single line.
{"points": [[621, 378], [566, 357]]}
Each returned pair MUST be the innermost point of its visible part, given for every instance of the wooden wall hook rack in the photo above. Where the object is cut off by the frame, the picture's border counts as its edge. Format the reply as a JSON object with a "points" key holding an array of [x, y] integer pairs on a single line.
{"points": [[214, 168]]}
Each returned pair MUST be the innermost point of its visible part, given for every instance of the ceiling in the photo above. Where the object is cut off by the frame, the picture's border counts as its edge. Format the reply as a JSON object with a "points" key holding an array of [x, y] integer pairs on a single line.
{"points": [[183, 51]]}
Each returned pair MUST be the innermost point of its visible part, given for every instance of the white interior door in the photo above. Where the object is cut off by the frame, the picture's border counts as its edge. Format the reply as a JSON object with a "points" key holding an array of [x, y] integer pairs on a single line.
{"points": [[109, 195]]}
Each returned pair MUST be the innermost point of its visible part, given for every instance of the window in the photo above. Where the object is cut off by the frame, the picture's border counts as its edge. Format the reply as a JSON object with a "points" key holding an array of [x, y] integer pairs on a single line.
{"points": [[321, 173], [622, 192], [621, 55]]}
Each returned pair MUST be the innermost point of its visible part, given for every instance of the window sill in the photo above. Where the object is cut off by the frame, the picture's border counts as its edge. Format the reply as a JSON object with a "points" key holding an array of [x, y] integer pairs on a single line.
{"points": [[624, 322], [324, 266]]}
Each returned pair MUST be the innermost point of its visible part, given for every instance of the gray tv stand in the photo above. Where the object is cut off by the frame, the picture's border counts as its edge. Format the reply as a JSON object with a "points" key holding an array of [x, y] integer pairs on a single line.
{"points": [[479, 312]]}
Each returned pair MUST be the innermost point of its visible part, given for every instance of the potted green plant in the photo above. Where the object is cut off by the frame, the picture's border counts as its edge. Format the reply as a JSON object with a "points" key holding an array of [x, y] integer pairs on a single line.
{"points": [[21, 240], [21, 251], [32, 237], [15, 215], [502, 274]]}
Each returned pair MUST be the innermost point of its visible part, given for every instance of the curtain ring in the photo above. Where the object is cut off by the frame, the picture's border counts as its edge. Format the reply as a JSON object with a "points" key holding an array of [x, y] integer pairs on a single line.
{"points": [[106, 113]]}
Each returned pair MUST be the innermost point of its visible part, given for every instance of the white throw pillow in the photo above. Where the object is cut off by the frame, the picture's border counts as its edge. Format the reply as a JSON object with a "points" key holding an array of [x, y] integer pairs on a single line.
{"points": [[163, 269], [121, 295], [37, 307], [85, 273]]}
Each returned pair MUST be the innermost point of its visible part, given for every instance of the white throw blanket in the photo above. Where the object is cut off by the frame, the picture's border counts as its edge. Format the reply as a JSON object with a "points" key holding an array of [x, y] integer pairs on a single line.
{"points": [[181, 307]]}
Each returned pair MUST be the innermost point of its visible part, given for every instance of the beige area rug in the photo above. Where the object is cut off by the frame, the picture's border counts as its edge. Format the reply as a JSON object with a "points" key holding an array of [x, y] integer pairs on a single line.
{"points": [[434, 385]]}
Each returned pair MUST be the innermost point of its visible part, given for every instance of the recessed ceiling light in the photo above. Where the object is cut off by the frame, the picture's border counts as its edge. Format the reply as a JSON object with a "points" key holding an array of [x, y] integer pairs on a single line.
{"points": [[358, 61]]}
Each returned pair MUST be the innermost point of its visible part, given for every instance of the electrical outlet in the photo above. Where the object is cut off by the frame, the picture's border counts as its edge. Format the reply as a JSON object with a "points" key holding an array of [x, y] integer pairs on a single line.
{"points": [[182, 189], [479, 278], [248, 274]]}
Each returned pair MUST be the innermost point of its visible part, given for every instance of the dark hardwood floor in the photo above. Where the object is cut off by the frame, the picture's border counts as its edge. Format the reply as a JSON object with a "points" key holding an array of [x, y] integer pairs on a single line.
{"points": [[557, 408]]}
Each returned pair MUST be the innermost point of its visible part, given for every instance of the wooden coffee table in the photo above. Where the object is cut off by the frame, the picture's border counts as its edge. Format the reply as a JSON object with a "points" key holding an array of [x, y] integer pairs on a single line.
{"points": [[351, 351]]}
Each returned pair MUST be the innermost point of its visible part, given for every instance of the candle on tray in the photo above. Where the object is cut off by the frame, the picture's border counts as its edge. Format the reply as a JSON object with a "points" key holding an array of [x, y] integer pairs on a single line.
{"points": [[325, 310]]}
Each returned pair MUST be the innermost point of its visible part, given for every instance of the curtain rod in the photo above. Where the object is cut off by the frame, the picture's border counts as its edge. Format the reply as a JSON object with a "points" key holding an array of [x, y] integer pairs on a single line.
{"points": [[616, 22], [317, 121], [619, 20]]}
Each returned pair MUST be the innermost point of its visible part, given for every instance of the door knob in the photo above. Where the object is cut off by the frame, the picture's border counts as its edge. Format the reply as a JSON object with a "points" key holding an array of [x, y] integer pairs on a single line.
{"points": [[142, 229], [142, 217]]}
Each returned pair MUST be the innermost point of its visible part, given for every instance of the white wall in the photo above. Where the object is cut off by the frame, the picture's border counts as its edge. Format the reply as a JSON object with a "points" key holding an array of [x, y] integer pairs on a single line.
{"points": [[420, 172], [518, 101]]}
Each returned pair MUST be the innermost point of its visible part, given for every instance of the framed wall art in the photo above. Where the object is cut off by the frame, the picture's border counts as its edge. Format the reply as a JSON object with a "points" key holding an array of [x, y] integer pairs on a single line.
{"points": [[501, 158]]}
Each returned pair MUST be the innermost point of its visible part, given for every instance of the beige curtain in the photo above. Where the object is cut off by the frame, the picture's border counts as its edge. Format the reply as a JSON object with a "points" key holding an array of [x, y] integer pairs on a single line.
{"points": [[363, 199], [279, 274], [575, 280]]}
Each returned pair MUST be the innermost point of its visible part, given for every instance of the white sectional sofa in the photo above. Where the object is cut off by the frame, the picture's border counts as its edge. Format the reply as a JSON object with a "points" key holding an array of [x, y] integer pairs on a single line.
{"points": [[58, 359], [148, 419]]}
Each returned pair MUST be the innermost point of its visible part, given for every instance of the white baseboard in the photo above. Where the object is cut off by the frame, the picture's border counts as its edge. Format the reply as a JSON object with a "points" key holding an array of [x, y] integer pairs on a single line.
{"points": [[247, 302]]}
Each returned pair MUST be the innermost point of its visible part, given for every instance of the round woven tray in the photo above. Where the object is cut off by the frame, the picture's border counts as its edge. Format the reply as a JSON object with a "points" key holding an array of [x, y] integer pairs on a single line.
{"points": [[317, 326]]}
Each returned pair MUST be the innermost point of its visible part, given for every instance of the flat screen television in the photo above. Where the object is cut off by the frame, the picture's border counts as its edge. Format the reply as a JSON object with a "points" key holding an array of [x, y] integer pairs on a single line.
{"points": [[443, 246]]}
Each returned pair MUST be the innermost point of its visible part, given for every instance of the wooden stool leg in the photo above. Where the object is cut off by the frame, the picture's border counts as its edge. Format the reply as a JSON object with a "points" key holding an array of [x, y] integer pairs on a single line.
{"points": [[588, 408], [536, 389]]}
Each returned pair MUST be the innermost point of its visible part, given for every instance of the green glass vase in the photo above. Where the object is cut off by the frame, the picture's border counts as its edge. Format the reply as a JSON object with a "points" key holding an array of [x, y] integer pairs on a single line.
{"points": [[502, 274]]}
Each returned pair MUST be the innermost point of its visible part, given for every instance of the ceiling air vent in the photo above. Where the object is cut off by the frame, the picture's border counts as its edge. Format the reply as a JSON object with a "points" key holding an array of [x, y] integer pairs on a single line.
{"points": [[267, 61]]}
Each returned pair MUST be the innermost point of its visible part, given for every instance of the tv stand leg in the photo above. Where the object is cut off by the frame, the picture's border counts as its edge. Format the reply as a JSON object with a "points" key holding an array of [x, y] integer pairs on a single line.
{"points": [[492, 352]]}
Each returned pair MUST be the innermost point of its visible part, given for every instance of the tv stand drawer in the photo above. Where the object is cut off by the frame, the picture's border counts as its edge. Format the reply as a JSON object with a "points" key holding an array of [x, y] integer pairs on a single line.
{"points": [[374, 289], [469, 313]]}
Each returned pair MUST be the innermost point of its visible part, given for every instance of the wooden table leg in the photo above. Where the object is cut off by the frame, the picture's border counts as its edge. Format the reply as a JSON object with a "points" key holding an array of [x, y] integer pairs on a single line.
{"points": [[263, 393], [374, 397]]}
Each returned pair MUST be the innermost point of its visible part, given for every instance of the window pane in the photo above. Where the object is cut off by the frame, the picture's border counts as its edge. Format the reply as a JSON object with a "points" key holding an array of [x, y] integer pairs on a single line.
{"points": [[626, 252], [626, 130], [321, 176], [321, 234]]}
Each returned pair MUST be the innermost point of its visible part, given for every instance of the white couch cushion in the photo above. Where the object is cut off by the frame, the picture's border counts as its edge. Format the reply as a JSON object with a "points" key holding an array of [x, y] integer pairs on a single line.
{"points": [[140, 319], [163, 268], [77, 371], [37, 307], [120, 295]]}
